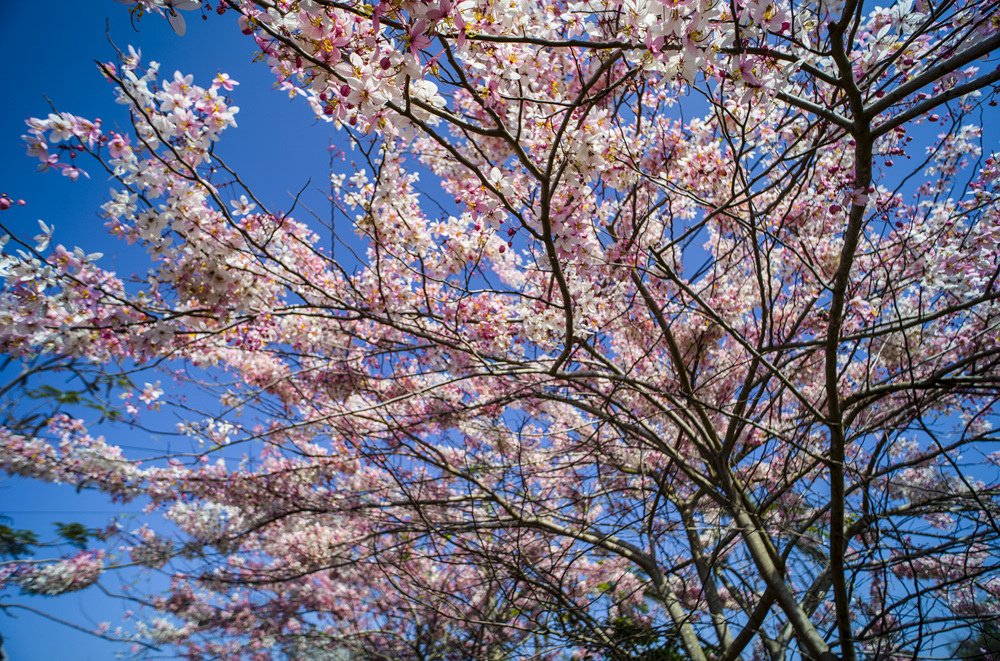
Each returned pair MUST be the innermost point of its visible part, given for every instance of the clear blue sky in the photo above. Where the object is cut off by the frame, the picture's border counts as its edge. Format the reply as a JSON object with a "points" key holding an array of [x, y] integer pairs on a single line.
{"points": [[51, 48]]}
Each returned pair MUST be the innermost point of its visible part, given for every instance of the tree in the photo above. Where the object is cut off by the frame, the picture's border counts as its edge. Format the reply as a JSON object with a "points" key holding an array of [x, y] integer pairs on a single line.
{"points": [[979, 643], [677, 359]]}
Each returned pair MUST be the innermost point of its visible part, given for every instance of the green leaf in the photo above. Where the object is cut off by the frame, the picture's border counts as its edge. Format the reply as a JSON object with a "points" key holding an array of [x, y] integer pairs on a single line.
{"points": [[16, 543], [75, 533]]}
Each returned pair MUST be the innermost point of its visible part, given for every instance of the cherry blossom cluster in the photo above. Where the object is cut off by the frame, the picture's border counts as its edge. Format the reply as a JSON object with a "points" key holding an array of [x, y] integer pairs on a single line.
{"points": [[69, 575]]}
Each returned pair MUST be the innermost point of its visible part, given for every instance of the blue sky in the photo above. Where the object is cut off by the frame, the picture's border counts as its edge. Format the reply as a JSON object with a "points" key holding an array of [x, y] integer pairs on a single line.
{"points": [[277, 148]]}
